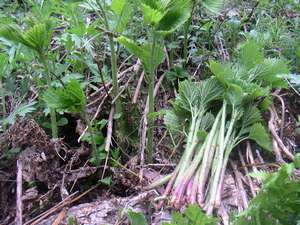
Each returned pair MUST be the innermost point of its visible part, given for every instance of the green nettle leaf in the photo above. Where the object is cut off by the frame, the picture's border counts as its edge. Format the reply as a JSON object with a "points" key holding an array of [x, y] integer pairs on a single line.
{"points": [[235, 94], [136, 218], [20, 111], [251, 54], [151, 15], [213, 6], [118, 6], [123, 9], [272, 71], [13, 33], [259, 134], [70, 98], [176, 16], [3, 63], [193, 215], [223, 72], [278, 200], [36, 38], [39, 36], [154, 4], [143, 52]]}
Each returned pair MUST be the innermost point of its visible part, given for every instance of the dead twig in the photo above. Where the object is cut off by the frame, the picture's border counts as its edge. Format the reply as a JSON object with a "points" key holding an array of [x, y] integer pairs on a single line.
{"points": [[60, 205], [45, 214], [61, 216], [138, 88], [240, 186], [120, 75], [124, 62], [108, 137], [272, 129], [94, 117], [19, 216], [251, 185], [123, 89], [144, 126], [282, 114]]}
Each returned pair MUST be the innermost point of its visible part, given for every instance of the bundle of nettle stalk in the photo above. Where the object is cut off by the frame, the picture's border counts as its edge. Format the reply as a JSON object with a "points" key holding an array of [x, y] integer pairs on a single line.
{"points": [[216, 115]]}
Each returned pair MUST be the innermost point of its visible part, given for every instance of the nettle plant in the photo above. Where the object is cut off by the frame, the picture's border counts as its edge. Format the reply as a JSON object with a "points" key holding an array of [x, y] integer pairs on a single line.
{"points": [[220, 113], [71, 99], [37, 38], [114, 17], [163, 17]]}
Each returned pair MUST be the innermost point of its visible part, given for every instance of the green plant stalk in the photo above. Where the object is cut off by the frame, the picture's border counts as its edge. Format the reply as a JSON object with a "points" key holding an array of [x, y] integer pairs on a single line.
{"points": [[150, 119], [201, 155], [171, 57], [205, 166], [114, 72], [91, 131], [220, 162], [191, 145], [54, 128], [113, 59], [186, 39], [3, 104]]}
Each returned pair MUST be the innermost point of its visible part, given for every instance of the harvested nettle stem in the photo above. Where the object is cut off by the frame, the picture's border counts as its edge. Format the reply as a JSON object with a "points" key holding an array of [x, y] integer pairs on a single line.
{"points": [[194, 178]]}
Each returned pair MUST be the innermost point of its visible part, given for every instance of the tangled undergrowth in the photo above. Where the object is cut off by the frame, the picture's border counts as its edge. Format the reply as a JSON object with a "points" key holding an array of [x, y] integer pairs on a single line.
{"points": [[121, 111]]}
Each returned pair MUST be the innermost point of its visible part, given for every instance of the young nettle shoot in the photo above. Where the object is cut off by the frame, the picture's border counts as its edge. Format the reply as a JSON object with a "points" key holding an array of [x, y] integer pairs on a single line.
{"points": [[71, 99], [162, 17], [36, 38]]}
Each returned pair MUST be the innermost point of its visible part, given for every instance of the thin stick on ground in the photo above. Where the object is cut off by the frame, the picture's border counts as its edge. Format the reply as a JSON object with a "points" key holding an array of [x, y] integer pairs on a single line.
{"points": [[144, 125], [276, 136], [282, 114], [19, 215], [250, 158], [108, 138], [138, 88], [61, 216], [250, 182], [240, 186], [67, 201]]}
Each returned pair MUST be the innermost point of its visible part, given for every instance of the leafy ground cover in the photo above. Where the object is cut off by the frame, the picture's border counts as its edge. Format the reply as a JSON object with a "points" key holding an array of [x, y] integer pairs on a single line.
{"points": [[190, 106]]}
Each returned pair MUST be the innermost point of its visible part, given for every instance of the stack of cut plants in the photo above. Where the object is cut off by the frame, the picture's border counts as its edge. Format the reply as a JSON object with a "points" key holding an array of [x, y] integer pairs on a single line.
{"points": [[161, 112]]}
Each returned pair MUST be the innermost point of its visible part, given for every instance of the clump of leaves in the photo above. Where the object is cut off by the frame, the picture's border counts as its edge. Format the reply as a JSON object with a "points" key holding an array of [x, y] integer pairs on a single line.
{"points": [[278, 201], [36, 38], [221, 111], [192, 215], [136, 218], [71, 99]]}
